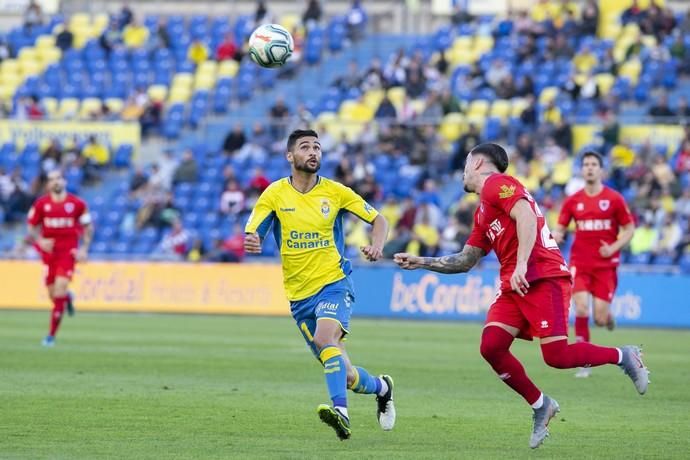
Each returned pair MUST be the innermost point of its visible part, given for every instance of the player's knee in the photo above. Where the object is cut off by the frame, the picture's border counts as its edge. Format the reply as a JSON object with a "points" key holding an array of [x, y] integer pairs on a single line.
{"points": [[555, 357], [488, 350]]}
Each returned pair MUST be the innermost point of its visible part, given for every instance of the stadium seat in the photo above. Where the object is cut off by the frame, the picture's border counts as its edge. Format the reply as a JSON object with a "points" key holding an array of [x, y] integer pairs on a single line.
{"points": [[452, 126], [69, 108]]}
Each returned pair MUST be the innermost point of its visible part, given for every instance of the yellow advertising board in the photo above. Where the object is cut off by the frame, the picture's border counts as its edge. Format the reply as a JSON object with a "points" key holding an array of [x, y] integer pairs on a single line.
{"points": [[109, 133], [671, 135], [154, 287]]}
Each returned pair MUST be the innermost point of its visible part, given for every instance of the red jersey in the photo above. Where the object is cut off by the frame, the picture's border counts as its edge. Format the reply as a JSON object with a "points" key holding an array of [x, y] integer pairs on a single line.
{"points": [[495, 229], [597, 218], [62, 221]]}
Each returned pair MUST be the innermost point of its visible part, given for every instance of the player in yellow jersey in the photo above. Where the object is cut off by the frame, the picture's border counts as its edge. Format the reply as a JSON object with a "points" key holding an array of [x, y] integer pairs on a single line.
{"points": [[306, 213]]}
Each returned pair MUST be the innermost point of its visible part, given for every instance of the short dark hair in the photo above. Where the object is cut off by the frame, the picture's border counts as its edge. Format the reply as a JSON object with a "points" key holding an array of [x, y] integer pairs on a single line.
{"points": [[593, 154], [297, 134], [494, 153]]}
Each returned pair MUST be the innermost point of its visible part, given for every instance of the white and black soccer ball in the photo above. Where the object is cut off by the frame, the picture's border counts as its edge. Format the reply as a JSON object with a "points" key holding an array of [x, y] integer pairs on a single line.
{"points": [[270, 45]]}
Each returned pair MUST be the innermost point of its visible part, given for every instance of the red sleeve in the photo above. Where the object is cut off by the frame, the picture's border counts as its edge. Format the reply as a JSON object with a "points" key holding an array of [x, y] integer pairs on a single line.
{"points": [[35, 215], [566, 214], [503, 192], [623, 215], [478, 238]]}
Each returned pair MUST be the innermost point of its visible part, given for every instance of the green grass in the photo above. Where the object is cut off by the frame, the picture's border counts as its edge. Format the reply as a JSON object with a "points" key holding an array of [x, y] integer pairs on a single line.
{"points": [[172, 386]]}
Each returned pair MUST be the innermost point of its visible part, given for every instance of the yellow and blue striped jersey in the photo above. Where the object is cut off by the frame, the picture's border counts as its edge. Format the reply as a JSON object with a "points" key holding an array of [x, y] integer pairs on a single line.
{"points": [[308, 228]]}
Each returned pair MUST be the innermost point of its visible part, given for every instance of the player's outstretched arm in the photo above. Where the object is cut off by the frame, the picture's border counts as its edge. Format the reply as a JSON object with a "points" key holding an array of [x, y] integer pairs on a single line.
{"points": [[379, 235], [460, 262], [252, 243]]}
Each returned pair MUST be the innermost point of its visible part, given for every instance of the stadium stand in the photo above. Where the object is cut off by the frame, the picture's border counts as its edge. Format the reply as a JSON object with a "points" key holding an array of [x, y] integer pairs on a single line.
{"points": [[396, 117]]}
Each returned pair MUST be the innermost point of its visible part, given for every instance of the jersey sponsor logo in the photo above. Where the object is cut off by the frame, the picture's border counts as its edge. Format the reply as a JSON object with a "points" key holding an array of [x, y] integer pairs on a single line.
{"points": [[58, 222], [604, 204], [325, 207], [306, 240], [580, 207], [506, 191], [495, 230], [544, 324], [69, 208], [287, 209], [589, 225]]}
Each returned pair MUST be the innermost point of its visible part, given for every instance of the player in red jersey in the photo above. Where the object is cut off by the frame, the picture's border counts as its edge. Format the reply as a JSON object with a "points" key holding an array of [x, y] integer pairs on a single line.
{"points": [[534, 297], [56, 222], [604, 225]]}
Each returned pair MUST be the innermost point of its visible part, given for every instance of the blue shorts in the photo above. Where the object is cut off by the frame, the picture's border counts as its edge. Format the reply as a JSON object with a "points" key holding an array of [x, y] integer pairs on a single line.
{"points": [[334, 301]]}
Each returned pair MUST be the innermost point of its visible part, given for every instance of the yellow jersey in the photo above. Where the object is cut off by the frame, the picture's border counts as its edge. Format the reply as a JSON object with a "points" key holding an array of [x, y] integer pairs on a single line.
{"points": [[308, 228]]}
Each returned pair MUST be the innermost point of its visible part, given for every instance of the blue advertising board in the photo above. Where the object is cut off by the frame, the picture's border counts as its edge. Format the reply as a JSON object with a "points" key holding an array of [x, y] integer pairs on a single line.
{"points": [[642, 299]]}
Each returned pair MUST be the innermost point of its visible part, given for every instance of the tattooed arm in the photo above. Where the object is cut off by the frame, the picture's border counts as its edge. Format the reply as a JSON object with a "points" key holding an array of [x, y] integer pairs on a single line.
{"points": [[460, 262]]}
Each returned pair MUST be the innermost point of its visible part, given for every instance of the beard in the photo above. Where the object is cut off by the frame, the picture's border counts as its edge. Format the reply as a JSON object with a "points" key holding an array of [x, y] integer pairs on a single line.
{"points": [[57, 189], [305, 167]]}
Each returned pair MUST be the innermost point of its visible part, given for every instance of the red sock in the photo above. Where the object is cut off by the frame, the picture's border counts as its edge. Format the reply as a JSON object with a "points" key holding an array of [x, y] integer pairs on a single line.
{"points": [[562, 355], [582, 329], [495, 348], [59, 304]]}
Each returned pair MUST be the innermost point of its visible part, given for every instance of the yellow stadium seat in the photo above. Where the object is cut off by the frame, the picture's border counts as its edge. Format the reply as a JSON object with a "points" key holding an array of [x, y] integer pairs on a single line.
{"points": [[45, 41], [79, 40], [69, 108], [483, 43], [463, 42], [49, 55], [88, 106], [78, 20], [458, 56], [27, 54], [397, 95], [604, 81], [352, 131], [157, 93], [9, 66], [179, 94], [649, 41], [6, 92], [50, 104], [452, 126], [326, 118], [100, 20], [478, 107], [31, 68], [228, 68], [372, 98], [353, 111], [476, 120], [204, 81], [548, 94], [500, 109], [207, 67], [418, 105], [10, 79], [518, 106], [115, 104], [631, 30], [631, 70], [183, 79], [290, 21]]}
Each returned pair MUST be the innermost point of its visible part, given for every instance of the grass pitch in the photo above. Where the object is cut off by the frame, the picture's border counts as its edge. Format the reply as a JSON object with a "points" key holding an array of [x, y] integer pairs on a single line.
{"points": [[172, 386]]}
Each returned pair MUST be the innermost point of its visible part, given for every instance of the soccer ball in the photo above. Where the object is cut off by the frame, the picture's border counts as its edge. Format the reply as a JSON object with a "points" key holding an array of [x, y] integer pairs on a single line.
{"points": [[270, 45]]}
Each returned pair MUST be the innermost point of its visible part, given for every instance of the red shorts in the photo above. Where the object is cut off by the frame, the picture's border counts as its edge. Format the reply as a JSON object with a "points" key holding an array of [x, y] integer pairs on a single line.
{"points": [[600, 282], [59, 265], [542, 312]]}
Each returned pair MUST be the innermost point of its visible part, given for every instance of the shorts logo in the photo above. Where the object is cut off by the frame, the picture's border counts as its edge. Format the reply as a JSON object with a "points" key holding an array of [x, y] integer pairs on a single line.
{"points": [[544, 324], [604, 204], [329, 306], [69, 208], [325, 208], [580, 207], [506, 191]]}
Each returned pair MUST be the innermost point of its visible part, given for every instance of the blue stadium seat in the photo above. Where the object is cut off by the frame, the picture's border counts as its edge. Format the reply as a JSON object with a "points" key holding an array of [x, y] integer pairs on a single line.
{"points": [[640, 259]]}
